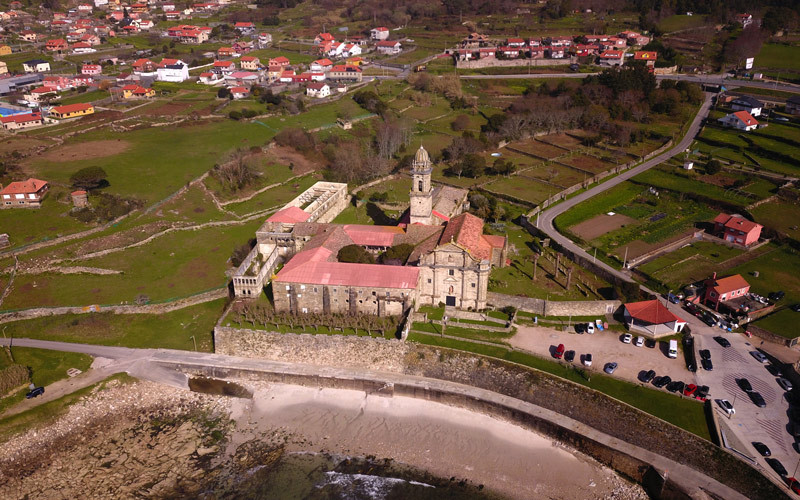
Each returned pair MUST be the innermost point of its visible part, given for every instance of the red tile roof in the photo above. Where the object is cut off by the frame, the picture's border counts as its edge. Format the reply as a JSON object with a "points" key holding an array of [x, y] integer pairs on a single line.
{"points": [[745, 118], [71, 108], [379, 236], [24, 187], [651, 311], [737, 222], [290, 215], [466, 230], [727, 284], [311, 267], [21, 118], [642, 55]]}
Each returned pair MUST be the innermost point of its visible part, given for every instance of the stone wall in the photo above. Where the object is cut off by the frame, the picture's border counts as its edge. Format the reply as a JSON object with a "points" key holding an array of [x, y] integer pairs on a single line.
{"points": [[328, 350], [555, 307], [771, 337], [492, 62]]}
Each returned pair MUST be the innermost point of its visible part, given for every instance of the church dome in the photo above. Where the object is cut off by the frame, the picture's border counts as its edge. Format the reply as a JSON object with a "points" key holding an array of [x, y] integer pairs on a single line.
{"points": [[421, 157]]}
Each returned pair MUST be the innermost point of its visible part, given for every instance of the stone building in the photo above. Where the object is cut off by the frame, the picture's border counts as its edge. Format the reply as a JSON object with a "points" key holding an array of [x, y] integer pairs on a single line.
{"points": [[449, 262]]}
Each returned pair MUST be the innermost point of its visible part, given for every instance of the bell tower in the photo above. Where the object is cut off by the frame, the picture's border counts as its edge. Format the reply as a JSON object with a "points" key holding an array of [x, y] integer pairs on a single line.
{"points": [[421, 191]]}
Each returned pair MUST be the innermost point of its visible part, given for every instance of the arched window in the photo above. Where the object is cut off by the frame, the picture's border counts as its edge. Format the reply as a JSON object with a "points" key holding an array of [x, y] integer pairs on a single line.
{"points": [[420, 186]]}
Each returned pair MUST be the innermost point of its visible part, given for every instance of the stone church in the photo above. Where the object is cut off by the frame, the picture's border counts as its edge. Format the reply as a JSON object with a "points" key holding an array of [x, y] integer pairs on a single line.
{"points": [[449, 264]]}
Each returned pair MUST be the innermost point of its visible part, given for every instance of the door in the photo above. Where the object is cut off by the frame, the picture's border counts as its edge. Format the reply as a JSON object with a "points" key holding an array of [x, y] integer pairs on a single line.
{"points": [[450, 300]]}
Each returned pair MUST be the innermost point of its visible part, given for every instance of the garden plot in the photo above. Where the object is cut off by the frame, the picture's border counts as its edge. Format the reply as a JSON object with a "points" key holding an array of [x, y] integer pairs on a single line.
{"points": [[523, 188], [563, 140], [588, 163], [690, 263], [600, 225], [555, 174], [538, 148]]}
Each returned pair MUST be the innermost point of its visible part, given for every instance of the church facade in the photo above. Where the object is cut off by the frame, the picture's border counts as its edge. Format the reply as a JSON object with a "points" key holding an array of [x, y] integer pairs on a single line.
{"points": [[449, 264]]}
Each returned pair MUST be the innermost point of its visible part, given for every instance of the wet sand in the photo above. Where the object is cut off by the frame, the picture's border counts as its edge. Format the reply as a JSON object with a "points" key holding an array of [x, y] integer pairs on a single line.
{"points": [[443, 440]]}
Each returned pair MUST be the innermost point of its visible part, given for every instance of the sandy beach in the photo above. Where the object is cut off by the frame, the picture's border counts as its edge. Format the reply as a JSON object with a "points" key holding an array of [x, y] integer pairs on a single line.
{"points": [[440, 439]]}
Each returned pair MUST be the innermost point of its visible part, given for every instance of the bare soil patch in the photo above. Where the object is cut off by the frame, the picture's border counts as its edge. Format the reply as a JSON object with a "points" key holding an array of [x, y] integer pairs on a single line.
{"points": [[286, 156], [86, 150], [538, 148], [634, 249], [589, 163], [562, 140], [21, 144], [599, 225]]}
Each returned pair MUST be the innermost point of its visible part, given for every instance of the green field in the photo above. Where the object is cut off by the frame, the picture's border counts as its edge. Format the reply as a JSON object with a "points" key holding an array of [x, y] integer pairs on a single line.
{"points": [[783, 322], [778, 56], [689, 264], [681, 22], [783, 216]]}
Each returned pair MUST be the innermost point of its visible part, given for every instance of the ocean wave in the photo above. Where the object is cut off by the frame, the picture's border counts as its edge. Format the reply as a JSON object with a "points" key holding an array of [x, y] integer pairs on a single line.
{"points": [[361, 485]]}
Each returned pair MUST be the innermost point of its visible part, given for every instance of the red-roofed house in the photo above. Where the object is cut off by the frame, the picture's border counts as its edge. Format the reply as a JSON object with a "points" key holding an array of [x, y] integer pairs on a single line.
{"points": [[322, 38], [244, 28], [276, 64], [379, 33], [25, 194], [71, 110], [741, 120], [651, 318], [223, 67], [143, 66], [226, 52], [345, 72], [21, 120], [389, 47], [649, 57], [133, 91], [321, 65], [722, 289], [612, 58], [318, 89], [250, 63], [737, 229], [240, 92], [58, 45]]}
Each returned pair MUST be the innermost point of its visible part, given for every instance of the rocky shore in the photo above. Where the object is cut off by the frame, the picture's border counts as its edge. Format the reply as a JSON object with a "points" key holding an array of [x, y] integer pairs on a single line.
{"points": [[135, 439]]}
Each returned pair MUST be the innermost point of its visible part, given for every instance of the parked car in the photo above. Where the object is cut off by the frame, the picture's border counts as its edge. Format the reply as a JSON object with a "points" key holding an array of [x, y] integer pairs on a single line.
{"points": [[639, 341], [580, 328], [707, 365], [627, 338], [673, 298], [676, 386], [569, 356], [705, 354], [760, 357], [689, 390], [702, 393], [709, 319], [757, 399], [744, 384], [610, 367], [590, 328], [691, 308], [777, 466], [761, 448], [722, 341], [650, 343], [662, 381], [773, 370], [795, 308], [559, 351], [726, 406], [791, 482], [785, 384], [36, 391], [784, 120], [649, 376], [587, 360]]}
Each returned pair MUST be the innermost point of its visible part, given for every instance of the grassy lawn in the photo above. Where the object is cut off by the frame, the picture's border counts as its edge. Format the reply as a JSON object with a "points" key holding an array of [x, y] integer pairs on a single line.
{"points": [[683, 413], [95, 95], [778, 56], [783, 322], [619, 195], [171, 330], [25, 225], [176, 265], [689, 264], [523, 188], [778, 269], [681, 22], [275, 197], [780, 215]]}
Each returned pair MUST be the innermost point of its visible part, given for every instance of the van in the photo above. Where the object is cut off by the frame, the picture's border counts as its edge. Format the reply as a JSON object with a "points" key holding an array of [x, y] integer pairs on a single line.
{"points": [[673, 348]]}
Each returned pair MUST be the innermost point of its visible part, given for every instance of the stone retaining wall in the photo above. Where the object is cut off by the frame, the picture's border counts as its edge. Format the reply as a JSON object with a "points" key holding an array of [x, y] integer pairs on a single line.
{"points": [[554, 307], [770, 337], [492, 62]]}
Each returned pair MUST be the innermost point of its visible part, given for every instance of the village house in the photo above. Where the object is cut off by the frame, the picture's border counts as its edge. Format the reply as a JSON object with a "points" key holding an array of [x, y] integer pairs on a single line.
{"points": [[91, 69], [793, 105], [287, 76], [583, 50], [168, 7], [379, 33], [223, 67], [57, 83], [81, 80], [350, 50], [5, 50], [133, 91], [71, 111], [648, 57], [389, 47], [277, 64], [318, 89], [612, 58], [321, 65], [508, 52], [243, 46], [244, 28], [741, 120], [21, 121], [57, 45], [250, 63], [28, 35], [634, 38], [83, 48], [737, 229], [515, 43], [24, 194], [209, 78], [720, 290], [172, 70], [224, 52], [323, 37], [747, 103], [264, 40], [345, 72], [41, 95], [242, 79], [651, 318], [143, 66], [556, 52], [90, 39], [240, 92]]}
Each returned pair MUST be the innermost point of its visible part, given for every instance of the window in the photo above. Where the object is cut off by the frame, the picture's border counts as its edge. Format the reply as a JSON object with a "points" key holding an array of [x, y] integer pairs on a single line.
{"points": [[452, 272], [305, 310], [387, 294], [315, 289], [360, 292], [420, 186], [302, 287], [288, 287], [473, 285], [429, 280], [374, 293]]}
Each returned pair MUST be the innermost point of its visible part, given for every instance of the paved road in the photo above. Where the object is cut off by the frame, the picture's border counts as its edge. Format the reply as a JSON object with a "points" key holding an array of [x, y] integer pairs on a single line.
{"points": [[544, 220], [154, 364]]}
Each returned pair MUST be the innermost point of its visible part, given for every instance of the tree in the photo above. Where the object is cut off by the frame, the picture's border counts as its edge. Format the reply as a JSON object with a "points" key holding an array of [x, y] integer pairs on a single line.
{"points": [[235, 172], [397, 255], [355, 254], [460, 123], [89, 178], [223, 93], [713, 167], [473, 165], [502, 167]]}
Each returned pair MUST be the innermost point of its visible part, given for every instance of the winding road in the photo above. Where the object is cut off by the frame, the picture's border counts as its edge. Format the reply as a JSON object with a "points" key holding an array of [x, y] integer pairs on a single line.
{"points": [[544, 220]]}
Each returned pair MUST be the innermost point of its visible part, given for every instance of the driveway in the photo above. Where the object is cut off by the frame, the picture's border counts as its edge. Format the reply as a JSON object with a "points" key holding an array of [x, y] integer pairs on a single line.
{"points": [[605, 347]]}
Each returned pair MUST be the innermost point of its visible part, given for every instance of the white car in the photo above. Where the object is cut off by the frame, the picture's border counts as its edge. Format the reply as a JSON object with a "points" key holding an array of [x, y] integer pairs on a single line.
{"points": [[639, 341], [587, 360], [726, 406], [760, 357], [590, 328], [627, 338]]}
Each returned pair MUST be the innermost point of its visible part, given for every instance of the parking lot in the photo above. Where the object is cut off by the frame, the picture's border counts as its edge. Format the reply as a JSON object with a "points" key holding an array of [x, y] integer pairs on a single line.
{"points": [[605, 347]]}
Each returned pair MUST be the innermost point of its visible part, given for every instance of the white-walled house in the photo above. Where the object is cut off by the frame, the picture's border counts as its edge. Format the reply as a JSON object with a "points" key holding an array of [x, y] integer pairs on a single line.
{"points": [[173, 70], [318, 90], [379, 33], [741, 120], [747, 103]]}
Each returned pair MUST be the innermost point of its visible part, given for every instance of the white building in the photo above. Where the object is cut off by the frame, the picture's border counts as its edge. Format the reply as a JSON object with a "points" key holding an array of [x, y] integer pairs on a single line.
{"points": [[176, 72], [741, 120], [747, 103], [36, 66], [318, 90], [379, 33]]}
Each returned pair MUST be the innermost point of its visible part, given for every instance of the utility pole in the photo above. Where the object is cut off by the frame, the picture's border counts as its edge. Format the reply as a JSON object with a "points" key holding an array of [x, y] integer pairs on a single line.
{"points": [[625, 260]]}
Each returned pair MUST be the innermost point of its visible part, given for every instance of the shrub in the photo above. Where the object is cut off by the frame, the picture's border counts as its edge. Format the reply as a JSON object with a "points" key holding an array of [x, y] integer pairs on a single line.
{"points": [[460, 123], [355, 254], [713, 167], [235, 115], [240, 253], [223, 93], [397, 255], [13, 376], [89, 178], [379, 197]]}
